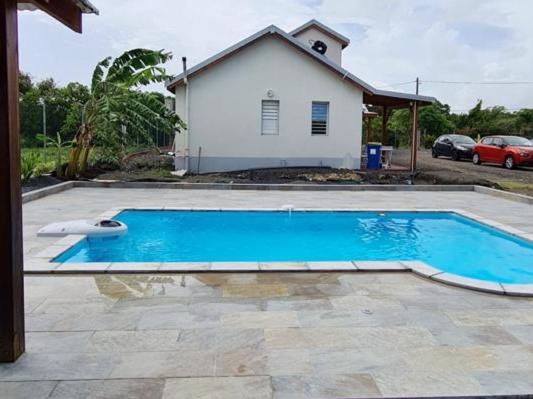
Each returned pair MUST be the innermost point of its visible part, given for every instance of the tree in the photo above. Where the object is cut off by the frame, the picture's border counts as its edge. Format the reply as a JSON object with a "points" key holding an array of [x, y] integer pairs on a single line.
{"points": [[25, 83], [63, 108], [117, 111], [399, 124], [434, 120], [75, 95], [524, 122]]}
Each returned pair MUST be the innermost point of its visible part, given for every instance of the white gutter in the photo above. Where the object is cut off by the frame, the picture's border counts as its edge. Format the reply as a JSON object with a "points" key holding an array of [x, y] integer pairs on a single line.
{"points": [[188, 129]]}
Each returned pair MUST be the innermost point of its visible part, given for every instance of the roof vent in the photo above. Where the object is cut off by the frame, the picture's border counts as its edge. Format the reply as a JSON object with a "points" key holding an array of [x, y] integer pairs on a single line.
{"points": [[320, 47]]}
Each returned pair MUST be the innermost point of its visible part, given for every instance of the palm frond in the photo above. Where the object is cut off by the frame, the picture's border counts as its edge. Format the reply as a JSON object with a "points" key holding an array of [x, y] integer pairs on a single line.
{"points": [[135, 61], [99, 71]]}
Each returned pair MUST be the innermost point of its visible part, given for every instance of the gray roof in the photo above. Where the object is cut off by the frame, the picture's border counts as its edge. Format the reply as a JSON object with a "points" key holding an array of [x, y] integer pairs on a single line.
{"points": [[407, 96], [84, 5], [341, 38], [274, 30]]}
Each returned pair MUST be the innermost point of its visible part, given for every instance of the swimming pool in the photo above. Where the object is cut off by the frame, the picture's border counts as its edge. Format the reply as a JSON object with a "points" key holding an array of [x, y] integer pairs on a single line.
{"points": [[444, 240]]}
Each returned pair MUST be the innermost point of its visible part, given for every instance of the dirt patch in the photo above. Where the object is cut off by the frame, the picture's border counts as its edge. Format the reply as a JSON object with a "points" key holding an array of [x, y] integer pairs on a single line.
{"points": [[430, 171], [36, 183], [268, 176]]}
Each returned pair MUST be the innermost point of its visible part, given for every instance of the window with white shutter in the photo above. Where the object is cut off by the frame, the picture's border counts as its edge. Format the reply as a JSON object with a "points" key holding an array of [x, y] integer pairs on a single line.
{"points": [[270, 117], [319, 118]]}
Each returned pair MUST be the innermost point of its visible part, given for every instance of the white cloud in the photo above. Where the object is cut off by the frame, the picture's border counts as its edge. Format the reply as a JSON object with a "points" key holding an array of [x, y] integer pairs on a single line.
{"points": [[392, 41]]}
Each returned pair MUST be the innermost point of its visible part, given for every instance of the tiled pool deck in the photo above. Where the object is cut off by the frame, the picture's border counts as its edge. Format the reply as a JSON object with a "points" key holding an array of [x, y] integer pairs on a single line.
{"points": [[263, 335], [43, 262]]}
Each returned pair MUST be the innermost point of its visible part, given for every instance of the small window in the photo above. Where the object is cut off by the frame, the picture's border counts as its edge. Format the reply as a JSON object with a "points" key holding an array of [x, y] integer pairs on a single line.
{"points": [[487, 141], [270, 117], [319, 118], [497, 141]]}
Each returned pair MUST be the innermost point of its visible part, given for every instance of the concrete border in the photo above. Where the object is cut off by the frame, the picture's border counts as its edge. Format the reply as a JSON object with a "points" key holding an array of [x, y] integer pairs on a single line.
{"points": [[36, 194], [42, 263], [46, 191], [504, 194]]}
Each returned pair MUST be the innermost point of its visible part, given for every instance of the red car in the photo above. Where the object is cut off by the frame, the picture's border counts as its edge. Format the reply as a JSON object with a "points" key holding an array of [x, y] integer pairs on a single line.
{"points": [[508, 151]]}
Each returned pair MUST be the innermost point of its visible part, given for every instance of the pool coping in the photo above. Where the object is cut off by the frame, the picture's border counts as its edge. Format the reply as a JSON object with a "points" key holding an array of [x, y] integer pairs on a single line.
{"points": [[41, 263], [67, 185]]}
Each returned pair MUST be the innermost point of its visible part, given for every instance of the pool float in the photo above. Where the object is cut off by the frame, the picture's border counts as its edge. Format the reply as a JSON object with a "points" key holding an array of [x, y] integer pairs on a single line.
{"points": [[90, 228]]}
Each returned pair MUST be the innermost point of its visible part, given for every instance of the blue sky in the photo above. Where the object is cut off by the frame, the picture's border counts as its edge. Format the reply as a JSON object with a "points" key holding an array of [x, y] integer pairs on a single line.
{"points": [[391, 41]]}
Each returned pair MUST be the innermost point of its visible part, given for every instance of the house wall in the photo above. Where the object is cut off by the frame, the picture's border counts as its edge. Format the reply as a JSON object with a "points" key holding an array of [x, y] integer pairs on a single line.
{"points": [[334, 50], [225, 112]]}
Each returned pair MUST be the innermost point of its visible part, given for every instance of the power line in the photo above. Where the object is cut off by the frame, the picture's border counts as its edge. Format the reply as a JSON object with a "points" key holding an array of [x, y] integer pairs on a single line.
{"points": [[478, 83], [458, 82], [505, 109]]}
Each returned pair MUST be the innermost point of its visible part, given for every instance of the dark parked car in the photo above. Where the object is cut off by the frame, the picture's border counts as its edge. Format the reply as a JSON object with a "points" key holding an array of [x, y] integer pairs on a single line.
{"points": [[455, 146], [504, 150]]}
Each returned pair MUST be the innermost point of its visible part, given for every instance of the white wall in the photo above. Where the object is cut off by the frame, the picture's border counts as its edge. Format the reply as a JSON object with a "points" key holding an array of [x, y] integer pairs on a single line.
{"points": [[334, 50], [225, 111]]}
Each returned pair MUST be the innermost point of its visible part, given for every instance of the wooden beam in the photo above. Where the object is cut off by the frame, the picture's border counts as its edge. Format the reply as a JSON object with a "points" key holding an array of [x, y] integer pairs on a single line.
{"points": [[368, 129], [414, 135], [65, 11], [11, 268]]}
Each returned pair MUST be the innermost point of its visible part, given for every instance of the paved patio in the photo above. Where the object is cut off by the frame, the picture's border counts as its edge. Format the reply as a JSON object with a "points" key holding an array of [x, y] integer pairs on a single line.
{"points": [[264, 335]]}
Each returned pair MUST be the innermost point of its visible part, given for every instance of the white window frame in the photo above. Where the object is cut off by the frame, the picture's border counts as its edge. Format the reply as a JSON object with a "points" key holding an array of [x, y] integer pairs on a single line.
{"points": [[327, 118], [263, 133]]}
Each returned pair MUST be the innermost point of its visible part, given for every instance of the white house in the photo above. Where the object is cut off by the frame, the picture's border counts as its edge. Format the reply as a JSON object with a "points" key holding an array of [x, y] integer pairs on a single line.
{"points": [[276, 99]]}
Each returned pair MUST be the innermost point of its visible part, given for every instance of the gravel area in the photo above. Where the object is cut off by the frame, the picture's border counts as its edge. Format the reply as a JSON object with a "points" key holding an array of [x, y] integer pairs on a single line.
{"points": [[445, 171]]}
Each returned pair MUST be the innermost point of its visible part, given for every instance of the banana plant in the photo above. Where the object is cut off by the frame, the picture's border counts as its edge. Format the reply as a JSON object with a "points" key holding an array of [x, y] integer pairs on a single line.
{"points": [[117, 110], [28, 164], [58, 144]]}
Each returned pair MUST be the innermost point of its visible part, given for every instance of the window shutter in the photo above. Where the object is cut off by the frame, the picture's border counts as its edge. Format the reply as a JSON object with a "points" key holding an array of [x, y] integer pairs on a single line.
{"points": [[270, 117], [319, 118]]}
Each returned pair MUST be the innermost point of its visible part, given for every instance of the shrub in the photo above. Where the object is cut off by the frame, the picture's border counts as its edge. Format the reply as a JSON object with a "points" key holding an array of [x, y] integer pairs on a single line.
{"points": [[147, 161], [427, 140], [44, 168], [28, 165], [105, 160]]}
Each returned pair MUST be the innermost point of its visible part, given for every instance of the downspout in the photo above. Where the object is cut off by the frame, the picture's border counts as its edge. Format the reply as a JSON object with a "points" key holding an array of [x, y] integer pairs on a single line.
{"points": [[187, 124]]}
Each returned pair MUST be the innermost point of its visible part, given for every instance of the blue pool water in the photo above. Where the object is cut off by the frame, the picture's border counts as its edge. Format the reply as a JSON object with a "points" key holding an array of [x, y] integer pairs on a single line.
{"points": [[444, 240]]}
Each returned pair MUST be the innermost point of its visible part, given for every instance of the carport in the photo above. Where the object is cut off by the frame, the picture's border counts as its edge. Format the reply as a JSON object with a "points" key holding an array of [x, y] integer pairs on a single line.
{"points": [[387, 101]]}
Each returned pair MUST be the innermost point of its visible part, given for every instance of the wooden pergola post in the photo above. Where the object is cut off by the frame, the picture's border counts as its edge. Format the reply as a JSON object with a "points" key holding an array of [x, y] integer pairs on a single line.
{"points": [[69, 12], [368, 129], [414, 134], [384, 119], [11, 270]]}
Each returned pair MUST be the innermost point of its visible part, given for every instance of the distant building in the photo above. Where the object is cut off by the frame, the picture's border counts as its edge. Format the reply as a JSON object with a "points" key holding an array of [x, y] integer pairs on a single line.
{"points": [[276, 99]]}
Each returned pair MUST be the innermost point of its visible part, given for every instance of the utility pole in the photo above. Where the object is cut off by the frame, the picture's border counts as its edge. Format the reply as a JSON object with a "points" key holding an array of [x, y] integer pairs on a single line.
{"points": [[417, 134], [43, 103]]}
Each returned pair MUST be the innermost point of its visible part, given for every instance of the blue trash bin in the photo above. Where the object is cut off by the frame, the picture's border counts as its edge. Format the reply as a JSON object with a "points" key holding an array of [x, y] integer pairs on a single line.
{"points": [[373, 153]]}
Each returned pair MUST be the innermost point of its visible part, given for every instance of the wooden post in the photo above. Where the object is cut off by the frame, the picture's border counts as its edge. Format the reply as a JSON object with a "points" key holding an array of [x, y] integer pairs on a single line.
{"points": [[414, 134], [368, 129], [384, 133], [11, 256]]}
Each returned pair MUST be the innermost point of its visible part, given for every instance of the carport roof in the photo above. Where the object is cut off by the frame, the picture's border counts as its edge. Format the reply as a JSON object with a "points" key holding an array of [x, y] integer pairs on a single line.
{"points": [[371, 95]]}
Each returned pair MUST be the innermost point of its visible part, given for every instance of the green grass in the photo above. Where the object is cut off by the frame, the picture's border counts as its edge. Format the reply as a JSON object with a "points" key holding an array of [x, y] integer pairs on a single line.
{"points": [[49, 153], [517, 187]]}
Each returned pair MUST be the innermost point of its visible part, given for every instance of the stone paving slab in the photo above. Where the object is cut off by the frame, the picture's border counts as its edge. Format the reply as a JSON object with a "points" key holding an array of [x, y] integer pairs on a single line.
{"points": [[253, 387], [124, 388], [279, 335], [304, 334]]}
